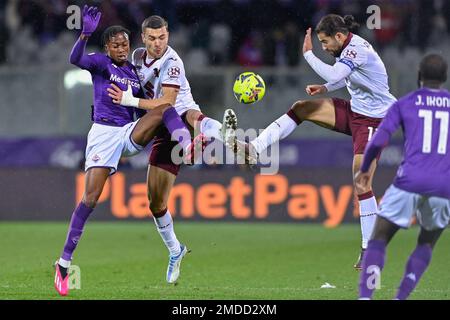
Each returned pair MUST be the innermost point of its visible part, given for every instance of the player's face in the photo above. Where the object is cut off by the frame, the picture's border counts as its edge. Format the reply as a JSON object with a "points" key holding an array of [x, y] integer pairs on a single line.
{"points": [[155, 41], [118, 48], [331, 44]]}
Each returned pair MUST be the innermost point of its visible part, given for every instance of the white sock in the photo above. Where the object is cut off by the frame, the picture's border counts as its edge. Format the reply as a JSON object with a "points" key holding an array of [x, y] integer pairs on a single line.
{"points": [[277, 130], [64, 263], [164, 225], [211, 128], [367, 215]]}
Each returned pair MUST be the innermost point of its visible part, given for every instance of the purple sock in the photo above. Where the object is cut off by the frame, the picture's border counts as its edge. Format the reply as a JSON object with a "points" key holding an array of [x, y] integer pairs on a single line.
{"points": [[176, 127], [416, 266], [372, 264], [79, 217]]}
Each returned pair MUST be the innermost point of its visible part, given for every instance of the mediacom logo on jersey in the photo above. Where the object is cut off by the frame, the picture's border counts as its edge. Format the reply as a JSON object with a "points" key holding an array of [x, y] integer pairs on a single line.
{"points": [[118, 79]]}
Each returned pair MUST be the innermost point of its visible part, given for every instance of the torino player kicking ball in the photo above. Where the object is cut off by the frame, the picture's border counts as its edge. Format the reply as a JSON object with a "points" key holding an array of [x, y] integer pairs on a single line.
{"points": [[249, 87]]}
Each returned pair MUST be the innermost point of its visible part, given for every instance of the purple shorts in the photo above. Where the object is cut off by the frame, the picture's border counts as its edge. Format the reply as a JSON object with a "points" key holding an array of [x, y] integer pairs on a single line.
{"points": [[359, 126]]}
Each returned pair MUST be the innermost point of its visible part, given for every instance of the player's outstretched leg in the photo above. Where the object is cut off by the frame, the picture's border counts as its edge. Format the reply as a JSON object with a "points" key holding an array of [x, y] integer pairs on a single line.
{"points": [[205, 129], [202, 124], [318, 111], [195, 150]]}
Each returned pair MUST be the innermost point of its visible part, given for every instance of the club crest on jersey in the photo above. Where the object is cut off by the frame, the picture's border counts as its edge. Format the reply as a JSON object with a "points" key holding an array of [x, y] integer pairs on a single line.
{"points": [[351, 54], [156, 72]]}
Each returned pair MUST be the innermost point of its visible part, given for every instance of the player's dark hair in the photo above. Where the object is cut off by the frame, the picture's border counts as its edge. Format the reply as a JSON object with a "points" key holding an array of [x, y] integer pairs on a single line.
{"points": [[433, 68], [113, 31], [154, 22], [333, 23]]}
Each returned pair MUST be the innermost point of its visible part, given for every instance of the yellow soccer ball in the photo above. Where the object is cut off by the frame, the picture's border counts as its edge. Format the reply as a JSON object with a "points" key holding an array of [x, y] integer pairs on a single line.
{"points": [[249, 87]]}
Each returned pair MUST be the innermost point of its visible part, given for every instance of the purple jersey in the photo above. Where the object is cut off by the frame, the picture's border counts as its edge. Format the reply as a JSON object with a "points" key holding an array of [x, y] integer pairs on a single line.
{"points": [[104, 72], [424, 118]]}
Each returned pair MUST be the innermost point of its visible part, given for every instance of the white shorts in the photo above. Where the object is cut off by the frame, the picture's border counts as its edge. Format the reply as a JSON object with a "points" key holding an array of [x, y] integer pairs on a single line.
{"points": [[107, 144], [399, 206]]}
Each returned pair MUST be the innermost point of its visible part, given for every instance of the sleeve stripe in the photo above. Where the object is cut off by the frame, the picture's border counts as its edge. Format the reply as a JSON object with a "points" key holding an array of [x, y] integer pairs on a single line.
{"points": [[170, 85], [348, 63]]}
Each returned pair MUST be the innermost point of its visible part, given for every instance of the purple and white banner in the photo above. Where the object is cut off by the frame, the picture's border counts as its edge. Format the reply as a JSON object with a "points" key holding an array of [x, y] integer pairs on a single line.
{"points": [[69, 153]]}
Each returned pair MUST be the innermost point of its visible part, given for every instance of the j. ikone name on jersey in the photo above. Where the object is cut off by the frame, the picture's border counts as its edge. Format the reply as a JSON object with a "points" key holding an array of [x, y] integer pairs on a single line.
{"points": [[218, 200], [433, 101], [118, 79]]}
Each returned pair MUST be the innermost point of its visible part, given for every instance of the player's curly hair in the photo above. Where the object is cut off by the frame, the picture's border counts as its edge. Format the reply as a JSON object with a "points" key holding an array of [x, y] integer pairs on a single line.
{"points": [[112, 31], [154, 22], [333, 23]]}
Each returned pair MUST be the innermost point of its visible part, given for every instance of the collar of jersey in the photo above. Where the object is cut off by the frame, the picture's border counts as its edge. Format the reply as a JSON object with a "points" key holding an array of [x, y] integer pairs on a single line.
{"points": [[347, 41], [148, 65]]}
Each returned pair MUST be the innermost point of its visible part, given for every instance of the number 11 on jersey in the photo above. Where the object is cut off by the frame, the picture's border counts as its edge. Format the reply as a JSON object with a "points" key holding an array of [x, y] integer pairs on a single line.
{"points": [[427, 116]]}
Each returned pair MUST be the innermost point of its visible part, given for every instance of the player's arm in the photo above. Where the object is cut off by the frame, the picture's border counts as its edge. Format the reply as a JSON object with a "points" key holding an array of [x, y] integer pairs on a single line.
{"points": [[315, 89], [126, 98], [381, 138], [91, 17], [331, 74], [77, 56], [169, 97], [335, 86]]}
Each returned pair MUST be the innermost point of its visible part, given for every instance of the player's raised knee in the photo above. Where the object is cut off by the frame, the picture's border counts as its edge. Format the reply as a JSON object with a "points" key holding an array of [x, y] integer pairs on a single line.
{"points": [[158, 209], [301, 109]]}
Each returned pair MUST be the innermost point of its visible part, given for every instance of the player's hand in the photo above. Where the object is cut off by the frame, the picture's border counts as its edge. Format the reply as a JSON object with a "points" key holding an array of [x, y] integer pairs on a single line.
{"points": [[315, 89], [362, 180], [91, 17], [124, 98], [307, 43]]}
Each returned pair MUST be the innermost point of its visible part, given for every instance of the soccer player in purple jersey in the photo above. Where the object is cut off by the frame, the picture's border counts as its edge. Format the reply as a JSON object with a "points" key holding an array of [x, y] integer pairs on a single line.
{"points": [[162, 71], [422, 180], [115, 132]]}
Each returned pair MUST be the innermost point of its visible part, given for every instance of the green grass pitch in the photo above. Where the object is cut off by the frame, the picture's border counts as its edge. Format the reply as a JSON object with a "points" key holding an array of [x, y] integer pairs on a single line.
{"points": [[127, 260]]}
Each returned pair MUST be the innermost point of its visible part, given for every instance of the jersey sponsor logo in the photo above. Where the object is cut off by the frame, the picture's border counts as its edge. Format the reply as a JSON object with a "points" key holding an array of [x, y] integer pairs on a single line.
{"points": [[115, 78], [348, 63], [173, 72]]}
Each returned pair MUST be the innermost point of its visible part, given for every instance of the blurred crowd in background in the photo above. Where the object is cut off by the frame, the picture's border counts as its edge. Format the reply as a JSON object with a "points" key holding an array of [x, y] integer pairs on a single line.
{"points": [[219, 32]]}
